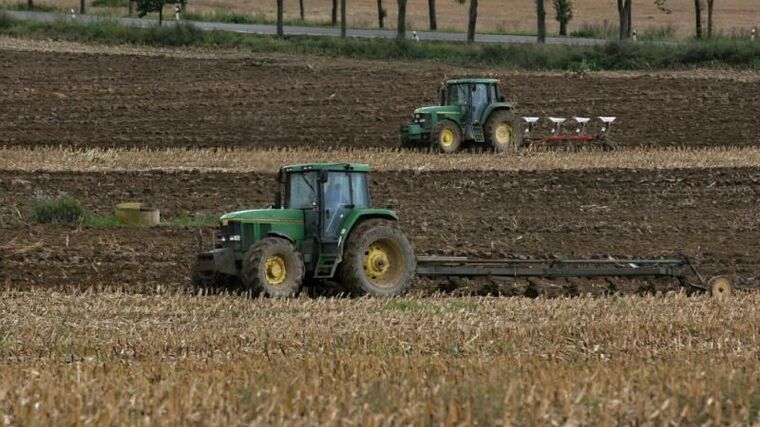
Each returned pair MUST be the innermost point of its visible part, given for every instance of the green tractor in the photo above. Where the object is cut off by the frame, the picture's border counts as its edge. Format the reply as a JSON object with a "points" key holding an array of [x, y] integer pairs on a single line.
{"points": [[324, 228], [470, 110]]}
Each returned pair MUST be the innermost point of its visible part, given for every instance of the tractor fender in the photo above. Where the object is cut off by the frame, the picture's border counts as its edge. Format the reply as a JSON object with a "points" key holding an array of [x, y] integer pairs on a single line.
{"points": [[494, 107], [357, 216], [282, 236]]}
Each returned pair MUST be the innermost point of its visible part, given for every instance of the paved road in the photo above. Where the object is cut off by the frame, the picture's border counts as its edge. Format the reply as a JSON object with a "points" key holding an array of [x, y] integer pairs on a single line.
{"points": [[316, 31]]}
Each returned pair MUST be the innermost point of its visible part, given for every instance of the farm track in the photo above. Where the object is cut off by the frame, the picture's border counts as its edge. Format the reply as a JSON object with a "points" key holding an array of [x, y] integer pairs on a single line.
{"points": [[103, 100], [708, 213]]}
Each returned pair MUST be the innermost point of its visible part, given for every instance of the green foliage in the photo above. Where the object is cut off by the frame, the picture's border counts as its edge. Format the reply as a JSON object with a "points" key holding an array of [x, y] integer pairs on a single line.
{"points": [[59, 210], [145, 7], [6, 21], [612, 56], [110, 3], [564, 10]]}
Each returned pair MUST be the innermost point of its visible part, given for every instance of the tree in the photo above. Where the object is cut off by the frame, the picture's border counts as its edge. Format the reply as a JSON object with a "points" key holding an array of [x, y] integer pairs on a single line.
{"points": [[698, 17], [710, 4], [381, 14], [564, 10], [30, 4], [431, 13], [401, 25], [145, 7], [334, 15], [625, 13], [541, 21], [343, 18], [280, 12], [82, 7], [300, 8], [472, 21]]}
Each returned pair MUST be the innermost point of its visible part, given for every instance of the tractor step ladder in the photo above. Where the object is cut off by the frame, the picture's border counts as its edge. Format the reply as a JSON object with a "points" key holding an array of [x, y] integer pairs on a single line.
{"points": [[326, 266], [477, 133]]}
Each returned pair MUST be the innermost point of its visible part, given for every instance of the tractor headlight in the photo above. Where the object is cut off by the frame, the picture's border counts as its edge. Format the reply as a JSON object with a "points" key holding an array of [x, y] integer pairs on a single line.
{"points": [[419, 118], [234, 238]]}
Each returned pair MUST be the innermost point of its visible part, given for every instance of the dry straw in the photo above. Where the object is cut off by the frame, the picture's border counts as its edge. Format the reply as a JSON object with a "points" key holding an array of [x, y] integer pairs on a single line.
{"points": [[175, 359], [269, 160]]}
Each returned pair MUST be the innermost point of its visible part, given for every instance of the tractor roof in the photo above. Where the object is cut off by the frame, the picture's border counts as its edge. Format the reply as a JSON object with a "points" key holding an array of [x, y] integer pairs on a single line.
{"points": [[339, 167], [463, 81]]}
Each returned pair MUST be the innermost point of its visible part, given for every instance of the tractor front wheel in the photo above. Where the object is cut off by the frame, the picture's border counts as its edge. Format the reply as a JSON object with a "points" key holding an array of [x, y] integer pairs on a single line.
{"points": [[378, 260], [503, 131], [446, 137], [273, 266]]}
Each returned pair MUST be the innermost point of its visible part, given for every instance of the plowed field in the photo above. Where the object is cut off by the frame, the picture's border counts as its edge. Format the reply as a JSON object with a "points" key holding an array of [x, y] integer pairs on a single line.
{"points": [[105, 100]]}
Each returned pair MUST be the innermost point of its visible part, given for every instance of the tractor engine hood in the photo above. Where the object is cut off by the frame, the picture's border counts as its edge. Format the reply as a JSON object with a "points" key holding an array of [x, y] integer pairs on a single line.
{"points": [[269, 216], [437, 109]]}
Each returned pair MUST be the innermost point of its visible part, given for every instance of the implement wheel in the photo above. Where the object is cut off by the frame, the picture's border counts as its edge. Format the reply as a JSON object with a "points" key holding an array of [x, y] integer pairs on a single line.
{"points": [[273, 266], [719, 287], [503, 131], [446, 137], [378, 260]]}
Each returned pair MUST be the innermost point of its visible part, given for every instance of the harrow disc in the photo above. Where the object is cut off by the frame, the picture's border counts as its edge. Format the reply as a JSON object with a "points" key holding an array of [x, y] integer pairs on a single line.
{"points": [[719, 287]]}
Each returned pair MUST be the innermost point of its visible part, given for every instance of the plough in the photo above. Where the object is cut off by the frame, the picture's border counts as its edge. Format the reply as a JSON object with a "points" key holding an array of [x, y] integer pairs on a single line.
{"points": [[581, 135]]}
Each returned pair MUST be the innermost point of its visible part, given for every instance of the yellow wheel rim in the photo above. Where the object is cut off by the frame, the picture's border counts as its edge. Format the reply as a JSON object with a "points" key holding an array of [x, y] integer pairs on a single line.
{"points": [[447, 138], [275, 270], [720, 287], [504, 134], [383, 263]]}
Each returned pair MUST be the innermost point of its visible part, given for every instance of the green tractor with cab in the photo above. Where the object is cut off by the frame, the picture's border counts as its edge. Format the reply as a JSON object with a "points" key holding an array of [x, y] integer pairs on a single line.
{"points": [[469, 110], [321, 227]]}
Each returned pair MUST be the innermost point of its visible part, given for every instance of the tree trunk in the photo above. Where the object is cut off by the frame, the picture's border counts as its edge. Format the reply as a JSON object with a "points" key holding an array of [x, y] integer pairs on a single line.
{"points": [[343, 18], [624, 12], [472, 21], [334, 13], [710, 4], [280, 26], [300, 7], [431, 12], [562, 27], [161, 16], [131, 8], [82, 7], [401, 25], [541, 21], [380, 14], [30, 4], [698, 17], [183, 8]]}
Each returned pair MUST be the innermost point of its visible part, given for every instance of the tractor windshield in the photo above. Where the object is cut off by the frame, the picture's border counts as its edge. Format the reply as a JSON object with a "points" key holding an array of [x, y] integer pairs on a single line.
{"points": [[458, 94], [302, 190]]}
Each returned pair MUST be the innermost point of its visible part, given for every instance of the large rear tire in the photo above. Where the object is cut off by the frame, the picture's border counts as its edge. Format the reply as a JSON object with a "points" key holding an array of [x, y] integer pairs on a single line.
{"points": [[503, 131], [273, 266], [378, 260], [446, 137]]}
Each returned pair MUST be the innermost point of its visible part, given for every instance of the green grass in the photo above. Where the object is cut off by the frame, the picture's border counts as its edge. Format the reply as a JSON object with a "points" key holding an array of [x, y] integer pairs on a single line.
{"points": [[56, 210], [109, 221], [612, 56], [427, 307]]}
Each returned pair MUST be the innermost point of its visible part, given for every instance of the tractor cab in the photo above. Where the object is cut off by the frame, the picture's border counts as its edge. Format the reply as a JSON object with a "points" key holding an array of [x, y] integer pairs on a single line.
{"points": [[469, 110]]}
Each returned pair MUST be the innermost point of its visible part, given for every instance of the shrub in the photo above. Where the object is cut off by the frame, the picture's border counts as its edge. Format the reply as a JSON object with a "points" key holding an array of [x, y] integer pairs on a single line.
{"points": [[6, 21], [59, 210]]}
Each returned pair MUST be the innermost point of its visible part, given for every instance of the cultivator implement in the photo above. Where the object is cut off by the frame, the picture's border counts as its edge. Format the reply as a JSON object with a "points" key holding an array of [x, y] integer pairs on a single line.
{"points": [[679, 268], [581, 136]]}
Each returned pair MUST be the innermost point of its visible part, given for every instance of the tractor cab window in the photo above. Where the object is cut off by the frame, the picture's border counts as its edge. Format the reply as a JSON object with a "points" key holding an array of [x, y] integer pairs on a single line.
{"points": [[360, 190], [458, 94], [337, 202], [302, 190]]}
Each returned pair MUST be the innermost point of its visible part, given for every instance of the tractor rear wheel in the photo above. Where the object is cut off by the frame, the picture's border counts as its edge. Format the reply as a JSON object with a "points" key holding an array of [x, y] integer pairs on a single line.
{"points": [[378, 260], [503, 131], [273, 266], [446, 137]]}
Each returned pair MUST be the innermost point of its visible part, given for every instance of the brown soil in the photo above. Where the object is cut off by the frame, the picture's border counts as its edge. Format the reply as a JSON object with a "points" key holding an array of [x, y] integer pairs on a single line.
{"points": [[86, 100], [710, 214]]}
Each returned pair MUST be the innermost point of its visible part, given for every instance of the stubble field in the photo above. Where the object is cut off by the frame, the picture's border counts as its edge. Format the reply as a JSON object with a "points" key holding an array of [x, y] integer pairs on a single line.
{"points": [[97, 324]]}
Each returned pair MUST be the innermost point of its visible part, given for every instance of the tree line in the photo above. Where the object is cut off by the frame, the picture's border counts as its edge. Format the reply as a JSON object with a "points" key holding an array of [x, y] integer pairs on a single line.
{"points": [[563, 14]]}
